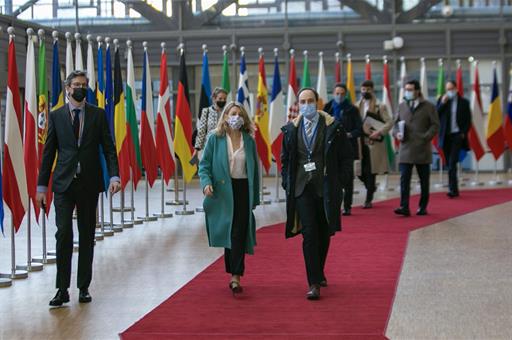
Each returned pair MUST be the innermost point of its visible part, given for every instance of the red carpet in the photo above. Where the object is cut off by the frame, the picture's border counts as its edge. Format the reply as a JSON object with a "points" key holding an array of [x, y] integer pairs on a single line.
{"points": [[363, 269]]}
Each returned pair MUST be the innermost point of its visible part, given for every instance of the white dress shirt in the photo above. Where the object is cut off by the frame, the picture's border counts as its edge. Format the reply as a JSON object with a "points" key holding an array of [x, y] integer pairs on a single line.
{"points": [[454, 128], [237, 164]]}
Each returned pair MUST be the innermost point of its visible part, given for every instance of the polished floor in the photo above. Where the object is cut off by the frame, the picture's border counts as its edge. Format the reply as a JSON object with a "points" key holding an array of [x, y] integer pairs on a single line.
{"points": [[453, 282]]}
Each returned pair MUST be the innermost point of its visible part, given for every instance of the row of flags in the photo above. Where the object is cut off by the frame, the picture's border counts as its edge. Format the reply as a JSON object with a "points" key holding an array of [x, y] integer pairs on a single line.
{"points": [[157, 144]]}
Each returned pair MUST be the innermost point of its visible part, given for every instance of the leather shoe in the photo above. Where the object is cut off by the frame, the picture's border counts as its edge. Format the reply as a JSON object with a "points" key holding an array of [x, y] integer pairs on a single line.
{"points": [[347, 212], [452, 194], [61, 297], [421, 212], [84, 296], [402, 211], [313, 293], [323, 283], [367, 205]]}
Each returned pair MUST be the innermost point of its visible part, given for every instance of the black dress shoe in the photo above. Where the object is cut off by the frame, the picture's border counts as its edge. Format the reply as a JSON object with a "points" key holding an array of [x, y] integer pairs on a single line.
{"points": [[367, 205], [421, 212], [402, 211], [61, 297], [347, 212], [323, 283], [313, 292], [84, 296], [452, 194]]}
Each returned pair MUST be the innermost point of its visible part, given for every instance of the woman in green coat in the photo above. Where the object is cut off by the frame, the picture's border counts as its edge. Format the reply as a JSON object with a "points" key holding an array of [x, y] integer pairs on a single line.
{"points": [[229, 177]]}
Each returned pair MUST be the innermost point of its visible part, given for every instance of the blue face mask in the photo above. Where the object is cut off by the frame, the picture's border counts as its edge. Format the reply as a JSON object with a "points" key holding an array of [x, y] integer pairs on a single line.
{"points": [[451, 94], [409, 95], [308, 110], [338, 98]]}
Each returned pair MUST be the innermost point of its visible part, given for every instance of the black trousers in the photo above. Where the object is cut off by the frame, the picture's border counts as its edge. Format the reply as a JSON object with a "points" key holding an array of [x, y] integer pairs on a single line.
{"points": [[367, 177], [234, 258], [348, 191], [405, 183], [85, 201], [315, 233], [451, 148]]}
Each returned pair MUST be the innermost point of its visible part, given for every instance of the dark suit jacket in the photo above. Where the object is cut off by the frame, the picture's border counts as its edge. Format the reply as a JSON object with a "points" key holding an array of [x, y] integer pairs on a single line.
{"points": [[463, 119], [351, 121], [61, 140]]}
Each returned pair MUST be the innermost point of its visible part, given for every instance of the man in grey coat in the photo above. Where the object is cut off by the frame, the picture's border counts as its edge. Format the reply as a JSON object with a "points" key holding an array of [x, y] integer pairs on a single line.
{"points": [[416, 124]]}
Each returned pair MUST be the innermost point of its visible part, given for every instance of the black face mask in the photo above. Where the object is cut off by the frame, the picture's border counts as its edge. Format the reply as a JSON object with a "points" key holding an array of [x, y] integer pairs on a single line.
{"points": [[367, 95], [79, 94], [221, 104]]}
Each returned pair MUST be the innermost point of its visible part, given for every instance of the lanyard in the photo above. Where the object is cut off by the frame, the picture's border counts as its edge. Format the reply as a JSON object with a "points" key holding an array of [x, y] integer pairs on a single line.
{"points": [[309, 142]]}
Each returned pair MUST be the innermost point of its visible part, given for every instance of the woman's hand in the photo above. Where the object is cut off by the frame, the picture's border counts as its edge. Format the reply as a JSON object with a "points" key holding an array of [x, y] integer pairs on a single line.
{"points": [[208, 190]]}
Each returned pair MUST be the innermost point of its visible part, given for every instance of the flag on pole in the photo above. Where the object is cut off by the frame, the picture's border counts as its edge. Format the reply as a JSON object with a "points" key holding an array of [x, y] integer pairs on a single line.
{"points": [[439, 94], [277, 114], [293, 88], [494, 133], [262, 117], [147, 124], [386, 100], [205, 99], [337, 68], [100, 90], [1, 206], [79, 61], [460, 91], [351, 87], [475, 133], [91, 74], [42, 95], [57, 91], [14, 182], [225, 74], [306, 78], [122, 147], [243, 84], [507, 129], [131, 119], [368, 69], [183, 125], [69, 54], [164, 139], [30, 143], [423, 78], [321, 83], [402, 81], [109, 89]]}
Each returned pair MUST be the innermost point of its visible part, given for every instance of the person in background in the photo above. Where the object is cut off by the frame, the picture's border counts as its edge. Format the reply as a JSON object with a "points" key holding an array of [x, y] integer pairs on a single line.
{"points": [[348, 115], [416, 124], [228, 173], [455, 120], [75, 133], [316, 160], [375, 158]]}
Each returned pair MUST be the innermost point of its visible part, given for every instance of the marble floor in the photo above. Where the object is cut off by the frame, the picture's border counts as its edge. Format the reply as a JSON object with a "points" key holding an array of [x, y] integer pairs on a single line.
{"points": [[137, 269]]}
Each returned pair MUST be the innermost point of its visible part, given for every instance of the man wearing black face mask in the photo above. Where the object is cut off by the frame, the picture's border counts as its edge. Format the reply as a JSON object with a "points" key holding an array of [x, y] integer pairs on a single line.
{"points": [[75, 133]]}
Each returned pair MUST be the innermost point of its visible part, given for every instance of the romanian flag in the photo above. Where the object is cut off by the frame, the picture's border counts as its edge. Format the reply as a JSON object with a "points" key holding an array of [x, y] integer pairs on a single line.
{"points": [[122, 146], [351, 87], [306, 78], [262, 118], [183, 124], [164, 143], [494, 133], [131, 119], [147, 125], [368, 69], [508, 118], [14, 182]]}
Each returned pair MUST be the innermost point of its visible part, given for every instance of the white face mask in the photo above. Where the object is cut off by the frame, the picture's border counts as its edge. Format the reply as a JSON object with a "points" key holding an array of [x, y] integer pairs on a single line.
{"points": [[235, 122]]}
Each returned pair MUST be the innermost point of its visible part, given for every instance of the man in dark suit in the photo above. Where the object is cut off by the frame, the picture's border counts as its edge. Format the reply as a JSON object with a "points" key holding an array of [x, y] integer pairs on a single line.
{"points": [[455, 120], [316, 159], [348, 115], [75, 132]]}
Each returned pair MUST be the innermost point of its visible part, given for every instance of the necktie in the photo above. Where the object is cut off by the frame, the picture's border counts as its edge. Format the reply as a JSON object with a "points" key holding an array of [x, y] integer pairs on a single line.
{"points": [[76, 123], [308, 125]]}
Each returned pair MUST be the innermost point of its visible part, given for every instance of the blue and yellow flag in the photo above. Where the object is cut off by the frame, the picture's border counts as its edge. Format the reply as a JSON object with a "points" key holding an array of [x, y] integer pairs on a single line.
{"points": [[57, 94]]}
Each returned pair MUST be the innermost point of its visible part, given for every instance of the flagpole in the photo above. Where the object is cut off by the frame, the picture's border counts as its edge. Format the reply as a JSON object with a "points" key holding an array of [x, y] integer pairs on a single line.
{"points": [[176, 190], [132, 202], [147, 217], [496, 180], [262, 192], [277, 199], [15, 272], [45, 258], [30, 266], [163, 214]]}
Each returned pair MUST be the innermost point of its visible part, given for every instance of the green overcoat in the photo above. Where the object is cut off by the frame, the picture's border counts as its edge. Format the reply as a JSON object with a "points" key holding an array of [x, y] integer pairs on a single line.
{"points": [[214, 171]]}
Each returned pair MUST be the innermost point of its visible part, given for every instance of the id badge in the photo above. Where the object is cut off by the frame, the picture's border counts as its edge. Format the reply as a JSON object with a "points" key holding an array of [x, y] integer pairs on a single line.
{"points": [[310, 166]]}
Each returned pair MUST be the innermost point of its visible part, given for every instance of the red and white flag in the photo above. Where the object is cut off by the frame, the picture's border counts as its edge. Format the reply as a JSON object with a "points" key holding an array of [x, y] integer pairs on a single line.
{"points": [[14, 181], [30, 141], [476, 136], [293, 88], [164, 139]]}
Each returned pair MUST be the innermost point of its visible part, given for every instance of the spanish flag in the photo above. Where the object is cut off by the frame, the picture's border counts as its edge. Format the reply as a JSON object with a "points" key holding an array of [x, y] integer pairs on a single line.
{"points": [[183, 125], [262, 118], [494, 132]]}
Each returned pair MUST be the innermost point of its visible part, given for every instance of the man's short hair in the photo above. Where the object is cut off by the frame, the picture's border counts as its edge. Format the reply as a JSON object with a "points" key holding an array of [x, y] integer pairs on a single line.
{"points": [[453, 82], [367, 83], [73, 75], [415, 83], [341, 85], [308, 89]]}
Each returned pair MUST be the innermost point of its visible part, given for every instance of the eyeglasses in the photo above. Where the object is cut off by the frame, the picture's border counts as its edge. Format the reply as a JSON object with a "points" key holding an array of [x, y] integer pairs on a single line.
{"points": [[79, 85]]}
